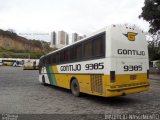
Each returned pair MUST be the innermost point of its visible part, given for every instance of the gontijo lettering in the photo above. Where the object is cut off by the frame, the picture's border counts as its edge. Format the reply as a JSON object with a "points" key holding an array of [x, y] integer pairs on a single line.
{"points": [[130, 52], [76, 67]]}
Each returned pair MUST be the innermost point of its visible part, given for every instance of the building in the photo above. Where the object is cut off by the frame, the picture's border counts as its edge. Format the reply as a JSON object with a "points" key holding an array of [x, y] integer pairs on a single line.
{"points": [[80, 37], [76, 37], [59, 39], [53, 39], [62, 38]]}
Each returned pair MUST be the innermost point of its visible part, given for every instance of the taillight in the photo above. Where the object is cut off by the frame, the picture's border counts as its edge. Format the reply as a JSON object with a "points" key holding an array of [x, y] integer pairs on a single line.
{"points": [[147, 74], [112, 76]]}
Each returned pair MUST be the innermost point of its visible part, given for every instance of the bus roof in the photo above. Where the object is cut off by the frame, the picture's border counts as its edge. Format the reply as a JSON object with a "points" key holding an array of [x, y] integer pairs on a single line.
{"points": [[90, 35], [98, 32]]}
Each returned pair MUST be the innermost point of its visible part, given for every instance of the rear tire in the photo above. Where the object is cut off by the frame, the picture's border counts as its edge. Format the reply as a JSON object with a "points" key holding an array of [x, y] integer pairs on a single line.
{"points": [[75, 89]]}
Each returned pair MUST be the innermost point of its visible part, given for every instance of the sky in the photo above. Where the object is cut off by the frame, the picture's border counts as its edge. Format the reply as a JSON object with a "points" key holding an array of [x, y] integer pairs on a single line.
{"points": [[38, 18]]}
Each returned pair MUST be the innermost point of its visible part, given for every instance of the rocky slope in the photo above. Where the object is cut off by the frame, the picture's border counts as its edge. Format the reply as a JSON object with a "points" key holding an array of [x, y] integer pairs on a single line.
{"points": [[10, 40]]}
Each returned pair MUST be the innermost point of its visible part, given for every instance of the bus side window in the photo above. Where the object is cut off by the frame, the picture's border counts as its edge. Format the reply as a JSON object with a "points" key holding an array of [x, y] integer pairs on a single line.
{"points": [[88, 49], [62, 57], [72, 53], [98, 47], [53, 59], [57, 58], [66, 55], [49, 60], [79, 52]]}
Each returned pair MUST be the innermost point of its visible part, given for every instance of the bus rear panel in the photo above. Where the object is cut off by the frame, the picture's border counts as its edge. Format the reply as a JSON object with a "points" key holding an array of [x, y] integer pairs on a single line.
{"points": [[129, 71]]}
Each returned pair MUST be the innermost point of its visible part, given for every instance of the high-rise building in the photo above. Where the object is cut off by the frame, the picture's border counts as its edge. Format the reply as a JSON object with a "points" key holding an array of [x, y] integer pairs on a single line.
{"points": [[59, 39], [80, 37], [67, 39], [53, 39], [76, 37]]}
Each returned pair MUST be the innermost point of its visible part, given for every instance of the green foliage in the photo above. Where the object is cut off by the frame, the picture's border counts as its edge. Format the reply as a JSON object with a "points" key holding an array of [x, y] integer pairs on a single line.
{"points": [[151, 13], [33, 55], [12, 50], [154, 51], [36, 55], [9, 34], [158, 65], [1, 56], [11, 53]]}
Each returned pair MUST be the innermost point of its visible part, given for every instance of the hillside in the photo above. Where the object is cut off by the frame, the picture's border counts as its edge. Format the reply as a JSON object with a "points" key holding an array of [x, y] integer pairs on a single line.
{"points": [[11, 42]]}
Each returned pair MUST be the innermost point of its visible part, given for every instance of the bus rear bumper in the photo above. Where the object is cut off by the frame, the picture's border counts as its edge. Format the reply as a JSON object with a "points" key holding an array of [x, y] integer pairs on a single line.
{"points": [[126, 91]]}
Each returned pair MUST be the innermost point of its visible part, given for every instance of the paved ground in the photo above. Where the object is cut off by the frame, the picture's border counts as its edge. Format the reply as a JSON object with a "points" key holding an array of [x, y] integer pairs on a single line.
{"points": [[155, 76], [21, 93]]}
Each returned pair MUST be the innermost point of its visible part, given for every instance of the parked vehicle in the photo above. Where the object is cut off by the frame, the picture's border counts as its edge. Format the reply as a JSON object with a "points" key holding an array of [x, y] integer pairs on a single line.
{"points": [[111, 62], [1, 63], [31, 64], [18, 63]]}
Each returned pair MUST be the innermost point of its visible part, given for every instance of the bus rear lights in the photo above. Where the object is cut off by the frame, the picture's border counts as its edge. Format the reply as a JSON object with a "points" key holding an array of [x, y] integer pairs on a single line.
{"points": [[112, 76]]}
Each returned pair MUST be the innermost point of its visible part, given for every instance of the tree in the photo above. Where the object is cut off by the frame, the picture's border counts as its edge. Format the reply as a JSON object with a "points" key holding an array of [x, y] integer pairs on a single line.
{"points": [[151, 13], [154, 47], [158, 65]]}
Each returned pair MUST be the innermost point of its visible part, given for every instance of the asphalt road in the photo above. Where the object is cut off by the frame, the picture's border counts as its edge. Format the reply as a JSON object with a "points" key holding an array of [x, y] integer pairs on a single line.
{"points": [[21, 93]]}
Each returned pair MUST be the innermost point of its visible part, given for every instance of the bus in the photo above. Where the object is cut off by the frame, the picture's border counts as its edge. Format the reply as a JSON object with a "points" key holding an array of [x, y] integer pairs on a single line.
{"points": [[15, 62], [110, 62], [18, 63], [31, 64]]}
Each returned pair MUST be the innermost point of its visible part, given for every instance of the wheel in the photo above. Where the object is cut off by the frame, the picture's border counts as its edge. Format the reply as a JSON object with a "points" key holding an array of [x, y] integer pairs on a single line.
{"points": [[75, 89], [43, 80]]}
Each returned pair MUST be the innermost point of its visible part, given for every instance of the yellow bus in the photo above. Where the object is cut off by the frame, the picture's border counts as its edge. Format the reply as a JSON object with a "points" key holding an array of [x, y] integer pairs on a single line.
{"points": [[110, 62]]}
